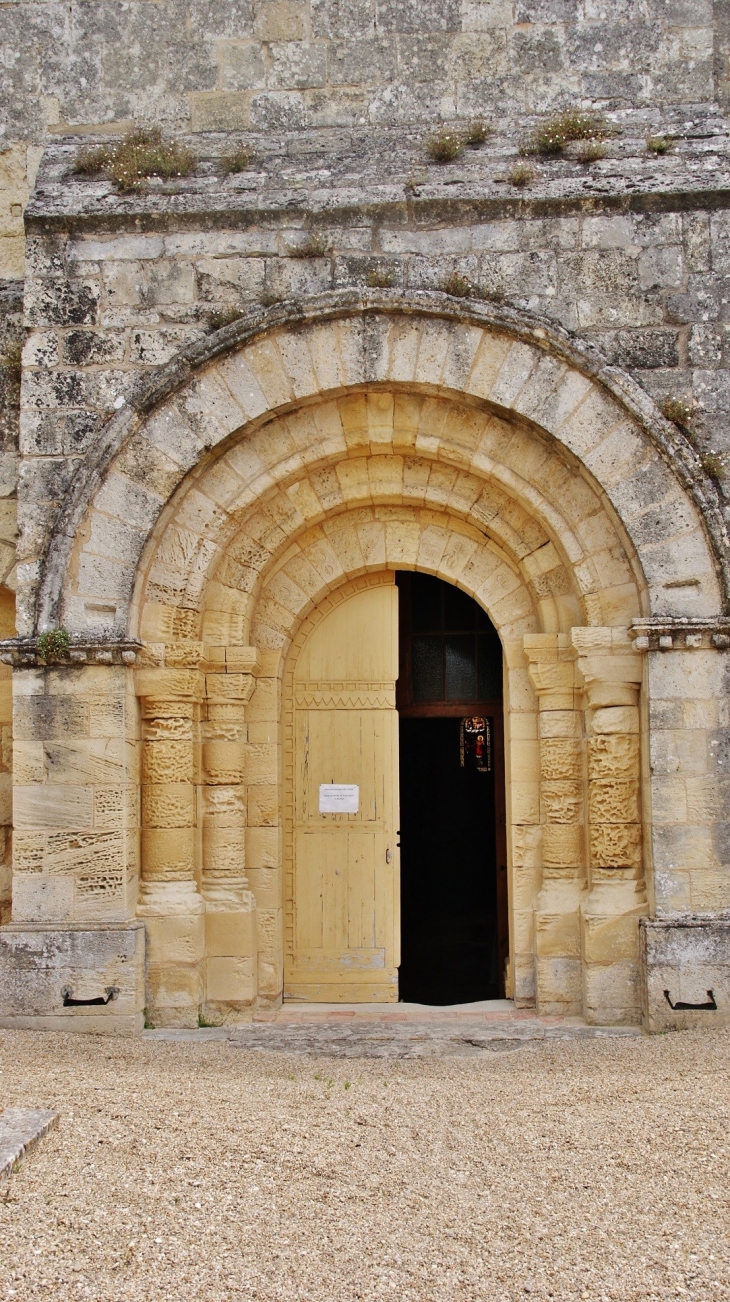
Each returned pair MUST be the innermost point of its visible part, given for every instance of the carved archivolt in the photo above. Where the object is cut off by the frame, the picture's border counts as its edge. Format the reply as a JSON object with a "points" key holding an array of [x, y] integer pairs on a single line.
{"points": [[431, 407]]}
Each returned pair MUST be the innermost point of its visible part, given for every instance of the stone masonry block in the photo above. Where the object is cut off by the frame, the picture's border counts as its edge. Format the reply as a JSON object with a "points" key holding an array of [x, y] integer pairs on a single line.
{"points": [[39, 961], [687, 956], [231, 935], [613, 994], [175, 940], [174, 994], [230, 980]]}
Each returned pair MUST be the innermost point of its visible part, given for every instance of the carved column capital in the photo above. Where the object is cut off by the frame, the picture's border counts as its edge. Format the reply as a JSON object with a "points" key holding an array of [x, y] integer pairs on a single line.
{"points": [[550, 664], [170, 684], [230, 688], [608, 667]]}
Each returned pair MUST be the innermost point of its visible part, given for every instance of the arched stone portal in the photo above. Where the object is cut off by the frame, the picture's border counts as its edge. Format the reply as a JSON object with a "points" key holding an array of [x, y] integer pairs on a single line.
{"points": [[311, 457]]}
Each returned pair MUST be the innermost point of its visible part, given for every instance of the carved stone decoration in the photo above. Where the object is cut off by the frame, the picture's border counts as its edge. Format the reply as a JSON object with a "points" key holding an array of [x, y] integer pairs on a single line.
{"points": [[230, 921], [23, 652], [611, 673], [170, 902], [562, 802], [683, 634]]}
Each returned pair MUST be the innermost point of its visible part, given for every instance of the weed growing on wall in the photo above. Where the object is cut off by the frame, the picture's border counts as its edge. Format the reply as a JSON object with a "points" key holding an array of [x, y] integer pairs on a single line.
{"points": [[660, 144], [315, 246], [226, 316], [458, 286], [54, 644], [476, 134], [681, 413], [521, 175], [713, 467], [238, 159], [142, 154], [550, 138], [590, 151], [380, 278], [449, 144], [445, 146]]}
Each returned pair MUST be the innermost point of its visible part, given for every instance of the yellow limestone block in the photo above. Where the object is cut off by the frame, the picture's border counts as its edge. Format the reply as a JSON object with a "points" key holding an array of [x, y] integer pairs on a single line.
{"points": [[175, 940], [230, 980], [230, 935]]}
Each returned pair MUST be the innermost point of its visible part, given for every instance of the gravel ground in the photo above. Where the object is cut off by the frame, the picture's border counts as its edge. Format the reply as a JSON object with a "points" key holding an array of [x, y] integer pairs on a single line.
{"points": [[565, 1169]]}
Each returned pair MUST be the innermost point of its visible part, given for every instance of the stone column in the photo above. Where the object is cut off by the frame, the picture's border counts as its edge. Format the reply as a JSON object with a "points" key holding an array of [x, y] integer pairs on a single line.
{"points": [[230, 920], [562, 798], [170, 902], [610, 672]]}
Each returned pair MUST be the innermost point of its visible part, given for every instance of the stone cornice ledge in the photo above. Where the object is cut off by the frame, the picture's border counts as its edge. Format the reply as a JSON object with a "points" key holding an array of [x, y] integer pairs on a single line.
{"points": [[670, 633], [23, 653]]}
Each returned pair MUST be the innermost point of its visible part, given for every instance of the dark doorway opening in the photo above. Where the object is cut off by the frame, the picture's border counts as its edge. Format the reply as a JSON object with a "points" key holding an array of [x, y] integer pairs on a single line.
{"points": [[452, 834]]}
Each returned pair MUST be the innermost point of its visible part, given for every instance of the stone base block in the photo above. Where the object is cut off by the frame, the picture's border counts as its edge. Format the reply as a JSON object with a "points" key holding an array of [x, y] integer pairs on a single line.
{"points": [[174, 994], [52, 974], [612, 995], [230, 935], [559, 987], [610, 944], [174, 917], [685, 960], [230, 990]]}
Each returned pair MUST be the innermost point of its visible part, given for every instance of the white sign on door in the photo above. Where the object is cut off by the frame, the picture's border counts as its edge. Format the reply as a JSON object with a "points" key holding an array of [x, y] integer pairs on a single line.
{"points": [[339, 798]]}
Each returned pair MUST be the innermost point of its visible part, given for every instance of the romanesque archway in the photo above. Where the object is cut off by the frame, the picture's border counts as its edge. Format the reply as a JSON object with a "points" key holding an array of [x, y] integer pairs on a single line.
{"points": [[315, 454]]}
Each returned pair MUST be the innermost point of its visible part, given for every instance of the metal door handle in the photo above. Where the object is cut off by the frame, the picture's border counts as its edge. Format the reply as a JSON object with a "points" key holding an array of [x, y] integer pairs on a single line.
{"points": [[389, 855]]}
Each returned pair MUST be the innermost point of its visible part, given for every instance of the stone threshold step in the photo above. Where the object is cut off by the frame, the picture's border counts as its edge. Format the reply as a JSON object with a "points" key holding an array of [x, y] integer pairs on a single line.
{"points": [[292, 1034]]}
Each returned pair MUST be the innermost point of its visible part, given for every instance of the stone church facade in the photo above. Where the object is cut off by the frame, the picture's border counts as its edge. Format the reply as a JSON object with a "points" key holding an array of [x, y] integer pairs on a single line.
{"points": [[250, 398]]}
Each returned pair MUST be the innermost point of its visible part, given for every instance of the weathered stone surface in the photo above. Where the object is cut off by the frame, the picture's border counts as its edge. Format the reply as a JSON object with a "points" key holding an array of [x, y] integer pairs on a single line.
{"points": [[201, 457], [38, 962], [688, 959], [20, 1130]]}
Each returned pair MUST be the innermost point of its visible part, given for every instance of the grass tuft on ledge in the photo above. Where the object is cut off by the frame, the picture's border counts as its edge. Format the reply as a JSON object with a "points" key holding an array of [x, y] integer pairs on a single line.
{"points": [[141, 155], [713, 467], [550, 138], [315, 246], [238, 159], [681, 413], [224, 317], [458, 286], [521, 175], [445, 147], [380, 278], [660, 144]]}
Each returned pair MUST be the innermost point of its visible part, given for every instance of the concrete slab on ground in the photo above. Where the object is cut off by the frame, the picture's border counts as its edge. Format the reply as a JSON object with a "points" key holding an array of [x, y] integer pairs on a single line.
{"points": [[20, 1130]]}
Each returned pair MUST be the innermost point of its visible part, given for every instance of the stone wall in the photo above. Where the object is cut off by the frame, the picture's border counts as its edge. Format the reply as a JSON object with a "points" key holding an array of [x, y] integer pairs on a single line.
{"points": [[162, 322], [11, 341], [649, 290], [262, 65]]}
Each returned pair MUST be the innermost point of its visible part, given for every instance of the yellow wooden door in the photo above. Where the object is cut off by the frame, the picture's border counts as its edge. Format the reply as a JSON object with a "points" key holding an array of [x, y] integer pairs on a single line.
{"points": [[345, 878]]}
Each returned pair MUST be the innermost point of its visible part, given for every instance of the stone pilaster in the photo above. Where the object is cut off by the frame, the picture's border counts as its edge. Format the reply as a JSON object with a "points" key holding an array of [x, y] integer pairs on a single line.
{"points": [[230, 920], [73, 955], [170, 902], [610, 672], [562, 799]]}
